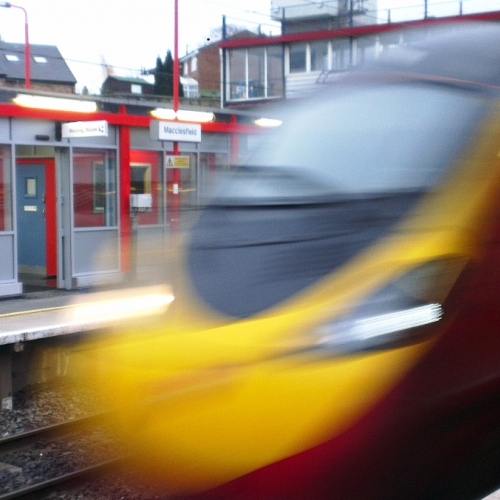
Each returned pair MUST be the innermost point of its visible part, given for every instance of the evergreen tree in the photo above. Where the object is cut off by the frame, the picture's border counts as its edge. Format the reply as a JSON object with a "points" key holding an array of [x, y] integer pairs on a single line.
{"points": [[161, 79], [168, 67], [157, 73], [164, 77]]}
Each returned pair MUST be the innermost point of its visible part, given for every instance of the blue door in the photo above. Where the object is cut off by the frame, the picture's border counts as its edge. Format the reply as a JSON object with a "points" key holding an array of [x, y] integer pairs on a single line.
{"points": [[31, 221]]}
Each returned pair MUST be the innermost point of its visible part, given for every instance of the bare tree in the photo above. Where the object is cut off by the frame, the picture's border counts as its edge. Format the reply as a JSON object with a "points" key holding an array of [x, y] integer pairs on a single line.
{"points": [[107, 69], [231, 30]]}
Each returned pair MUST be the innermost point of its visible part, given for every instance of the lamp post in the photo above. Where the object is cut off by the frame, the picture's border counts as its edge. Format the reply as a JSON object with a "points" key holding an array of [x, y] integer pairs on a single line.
{"points": [[27, 61], [175, 103]]}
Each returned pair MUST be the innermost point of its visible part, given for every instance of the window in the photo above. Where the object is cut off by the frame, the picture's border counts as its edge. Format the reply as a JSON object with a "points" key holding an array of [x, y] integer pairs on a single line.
{"points": [[366, 49], [274, 71], [194, 64], [341, 54], [298, 53], [319, 56], [190, 91], [188, 196], [5, 190], [11, 57], [147, 177], [256, 72], [40, 59], [140, 180], [94, 188], [238, 73], [136, 89], [30, 187], [99, 187], [305, 57]]}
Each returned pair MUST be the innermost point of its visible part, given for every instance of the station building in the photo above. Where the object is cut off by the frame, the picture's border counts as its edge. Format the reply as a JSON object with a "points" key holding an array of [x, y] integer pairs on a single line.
{"points": [[322, 40], [65, 211], [66, 178]]}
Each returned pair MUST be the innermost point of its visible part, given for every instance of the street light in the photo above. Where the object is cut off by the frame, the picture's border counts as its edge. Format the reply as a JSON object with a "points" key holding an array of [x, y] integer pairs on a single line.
{"points": [[26, 41], [176, 173]]}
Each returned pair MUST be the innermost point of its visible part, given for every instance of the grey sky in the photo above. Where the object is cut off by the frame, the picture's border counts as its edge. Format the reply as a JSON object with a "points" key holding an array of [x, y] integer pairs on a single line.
{"points": [[130, 35]]}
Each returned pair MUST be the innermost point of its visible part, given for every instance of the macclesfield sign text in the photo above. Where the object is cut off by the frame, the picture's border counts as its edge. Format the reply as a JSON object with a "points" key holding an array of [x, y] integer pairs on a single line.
{"points": [[175, 131]]}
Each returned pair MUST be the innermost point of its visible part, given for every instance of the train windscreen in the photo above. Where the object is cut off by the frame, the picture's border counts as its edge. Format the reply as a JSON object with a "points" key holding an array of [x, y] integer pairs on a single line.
{"points": [[336, 176]]}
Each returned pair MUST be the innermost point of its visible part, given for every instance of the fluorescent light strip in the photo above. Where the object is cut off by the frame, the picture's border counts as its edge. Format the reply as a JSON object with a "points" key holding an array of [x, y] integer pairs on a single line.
{"points": [[195, 116], [268, 122], [183, 115], [55, 103], [163, 114]]}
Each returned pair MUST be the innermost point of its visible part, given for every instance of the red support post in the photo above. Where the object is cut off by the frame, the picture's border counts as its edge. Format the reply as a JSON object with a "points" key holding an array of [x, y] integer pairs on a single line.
{"points": [[125, 177], [176, 196]]}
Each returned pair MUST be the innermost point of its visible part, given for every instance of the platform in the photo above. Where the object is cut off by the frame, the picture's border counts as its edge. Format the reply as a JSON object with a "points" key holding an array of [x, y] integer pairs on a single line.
{"points": [[39, 316]]}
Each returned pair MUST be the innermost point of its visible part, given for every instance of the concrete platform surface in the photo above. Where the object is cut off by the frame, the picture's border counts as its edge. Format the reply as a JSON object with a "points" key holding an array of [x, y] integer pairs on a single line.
{"points": [[40, 315], [60, 312]]}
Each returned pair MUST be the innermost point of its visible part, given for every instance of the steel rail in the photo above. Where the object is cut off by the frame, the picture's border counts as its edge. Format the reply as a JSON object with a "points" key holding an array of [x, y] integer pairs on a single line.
{"points": [[69, 479], [17, 442]]}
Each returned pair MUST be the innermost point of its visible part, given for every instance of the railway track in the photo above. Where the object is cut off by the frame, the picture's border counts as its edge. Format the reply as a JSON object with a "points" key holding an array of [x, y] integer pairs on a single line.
{"points": [[55, 457]]}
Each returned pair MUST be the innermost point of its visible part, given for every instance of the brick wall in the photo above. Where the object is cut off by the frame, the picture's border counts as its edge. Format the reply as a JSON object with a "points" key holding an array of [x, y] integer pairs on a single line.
{"points": [[209, 68]]}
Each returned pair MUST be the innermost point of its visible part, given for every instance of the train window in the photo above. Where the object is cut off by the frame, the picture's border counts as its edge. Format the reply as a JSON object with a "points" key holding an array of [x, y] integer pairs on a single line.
{"points": [[370, 140]]}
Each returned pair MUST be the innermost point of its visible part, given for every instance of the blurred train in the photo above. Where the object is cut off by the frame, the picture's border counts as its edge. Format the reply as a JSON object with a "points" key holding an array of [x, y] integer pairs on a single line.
{"points": [[335, 325]]}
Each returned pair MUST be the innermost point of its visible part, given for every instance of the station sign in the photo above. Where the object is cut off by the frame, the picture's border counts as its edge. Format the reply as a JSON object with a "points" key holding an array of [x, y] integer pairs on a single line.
{"points": [[177, 161], [175, 131], [98, 128]]}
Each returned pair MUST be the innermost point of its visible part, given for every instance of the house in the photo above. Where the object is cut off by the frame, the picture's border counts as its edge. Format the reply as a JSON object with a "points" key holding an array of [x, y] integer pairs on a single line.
{"points": [[135, 87], [203, 66], [122, 85], [48, 69], [190, 87]]}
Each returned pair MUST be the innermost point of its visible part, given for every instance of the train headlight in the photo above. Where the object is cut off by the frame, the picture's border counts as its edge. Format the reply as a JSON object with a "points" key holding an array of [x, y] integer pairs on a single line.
{"points": [[379, 330], [395, 315]]}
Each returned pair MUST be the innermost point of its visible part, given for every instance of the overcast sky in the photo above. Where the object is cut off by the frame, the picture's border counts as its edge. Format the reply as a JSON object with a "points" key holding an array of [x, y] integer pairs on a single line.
{"points": [[130, 35]]}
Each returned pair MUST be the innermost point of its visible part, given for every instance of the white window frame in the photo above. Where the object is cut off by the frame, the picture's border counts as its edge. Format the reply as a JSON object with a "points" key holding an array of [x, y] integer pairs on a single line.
{"points": [[247, 89]]}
